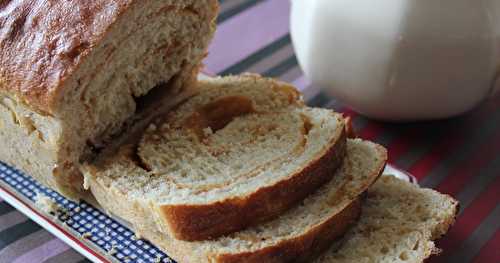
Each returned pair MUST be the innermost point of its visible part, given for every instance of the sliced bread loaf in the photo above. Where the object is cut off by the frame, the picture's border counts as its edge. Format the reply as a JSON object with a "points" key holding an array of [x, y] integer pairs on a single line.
{"points": [[297, 235], [73, 73], [398, 224], [241, 152]]}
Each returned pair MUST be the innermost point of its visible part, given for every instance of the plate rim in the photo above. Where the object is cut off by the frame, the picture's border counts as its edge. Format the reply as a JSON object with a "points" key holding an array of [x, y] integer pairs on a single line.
{"points": [[28, 208]]}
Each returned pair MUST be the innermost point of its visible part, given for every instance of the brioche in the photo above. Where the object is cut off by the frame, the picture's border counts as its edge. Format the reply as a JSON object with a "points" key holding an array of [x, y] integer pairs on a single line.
{"points": [[398, 224], [241, 152], [73, 72], [297, 235]]}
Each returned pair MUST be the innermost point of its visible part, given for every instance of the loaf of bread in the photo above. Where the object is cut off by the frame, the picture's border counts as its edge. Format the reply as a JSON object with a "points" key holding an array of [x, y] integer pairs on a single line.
{"points": [[74, 73], [398, 224], [296, 236], [240, 152]]}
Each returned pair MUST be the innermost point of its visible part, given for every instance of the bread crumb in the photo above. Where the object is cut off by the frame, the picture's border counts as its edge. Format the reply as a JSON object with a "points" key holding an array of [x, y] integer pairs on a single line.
{"points": [[152, 127], [77, 209], [54, 168], [112, 250], [436, 251], [46, 203], [157, 259], [86, 183], [86, 235], [137, 235], [207, 131]]}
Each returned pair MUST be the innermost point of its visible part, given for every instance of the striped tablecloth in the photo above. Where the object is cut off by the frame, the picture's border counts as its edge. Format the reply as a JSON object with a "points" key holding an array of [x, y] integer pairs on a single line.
{"points": [[460, 157]]}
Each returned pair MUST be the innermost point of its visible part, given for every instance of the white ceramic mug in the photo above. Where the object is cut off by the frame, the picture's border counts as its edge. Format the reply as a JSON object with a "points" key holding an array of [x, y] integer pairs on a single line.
{"points": [[400, 59]]}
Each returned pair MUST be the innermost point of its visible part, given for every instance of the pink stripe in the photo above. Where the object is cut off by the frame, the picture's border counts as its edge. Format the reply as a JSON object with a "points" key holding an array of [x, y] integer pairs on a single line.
{"points": [[490, 252], [243, 34], [43, 252], [301, 83], [11, 219]]}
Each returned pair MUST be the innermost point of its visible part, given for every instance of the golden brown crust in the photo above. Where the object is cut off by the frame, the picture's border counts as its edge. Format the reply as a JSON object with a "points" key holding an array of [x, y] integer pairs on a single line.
{"points": [[311, 241], [301, 248], [207, 221], [43, 42], [349, 128], [304, 247], [316, 240]]}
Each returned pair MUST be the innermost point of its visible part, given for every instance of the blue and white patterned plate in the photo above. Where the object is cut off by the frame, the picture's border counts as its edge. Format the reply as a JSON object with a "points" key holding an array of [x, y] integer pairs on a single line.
{"points": [[85, 227]]}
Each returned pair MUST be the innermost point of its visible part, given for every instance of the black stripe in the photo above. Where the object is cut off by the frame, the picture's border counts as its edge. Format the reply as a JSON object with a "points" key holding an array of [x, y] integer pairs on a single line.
{"points": [[485, 130], [17, 232], [236, 10], [5, 208], [319, 100], [244, 64], [282, 67], [484, 232]]}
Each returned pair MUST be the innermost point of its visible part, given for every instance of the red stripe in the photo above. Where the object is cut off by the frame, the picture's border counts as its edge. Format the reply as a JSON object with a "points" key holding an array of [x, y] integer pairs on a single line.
{"points": [[470, 219], [374, 129], [460, 175], [348, 112], [422, 167], [406, 141], [57, 227], [425, 165], [401, 145], [490, 252], [371, 131]]}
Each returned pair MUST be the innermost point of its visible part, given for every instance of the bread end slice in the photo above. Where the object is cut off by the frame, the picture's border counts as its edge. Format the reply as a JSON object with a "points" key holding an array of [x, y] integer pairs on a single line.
{"points": [[399, 223]]}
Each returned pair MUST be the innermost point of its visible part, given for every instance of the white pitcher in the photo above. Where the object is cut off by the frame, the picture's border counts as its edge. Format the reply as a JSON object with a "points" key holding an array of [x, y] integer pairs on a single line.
{"points": [[400, 59]]}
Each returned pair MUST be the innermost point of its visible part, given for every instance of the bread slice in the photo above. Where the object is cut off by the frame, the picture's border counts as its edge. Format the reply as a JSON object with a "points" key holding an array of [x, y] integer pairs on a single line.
{"points": [[398, 223], [73, 73], [241, 152], [297, 235]]}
